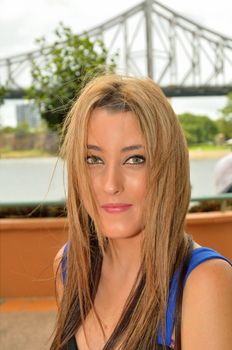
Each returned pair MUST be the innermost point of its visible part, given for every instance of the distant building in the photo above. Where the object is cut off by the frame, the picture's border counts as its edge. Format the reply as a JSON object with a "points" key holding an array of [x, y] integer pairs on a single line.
{"points": [[28, 113]]}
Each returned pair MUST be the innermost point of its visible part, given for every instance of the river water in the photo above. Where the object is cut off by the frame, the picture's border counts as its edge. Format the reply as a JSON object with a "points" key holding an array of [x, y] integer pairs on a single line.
{"points": [[43, 179]]}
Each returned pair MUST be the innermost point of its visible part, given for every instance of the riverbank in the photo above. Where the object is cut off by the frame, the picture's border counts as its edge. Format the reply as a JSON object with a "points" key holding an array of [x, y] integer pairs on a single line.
{"points": [[207, 154], [32, 153], [195, 153]]}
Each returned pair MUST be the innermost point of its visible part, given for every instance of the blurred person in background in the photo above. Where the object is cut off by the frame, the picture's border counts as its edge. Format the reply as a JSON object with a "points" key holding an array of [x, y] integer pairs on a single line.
{"points": [[223, 175]]}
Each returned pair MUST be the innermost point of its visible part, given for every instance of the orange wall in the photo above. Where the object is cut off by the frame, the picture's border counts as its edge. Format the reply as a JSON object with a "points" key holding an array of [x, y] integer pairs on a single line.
{"points": [[212, 230], [28, 247], [27, 250]]}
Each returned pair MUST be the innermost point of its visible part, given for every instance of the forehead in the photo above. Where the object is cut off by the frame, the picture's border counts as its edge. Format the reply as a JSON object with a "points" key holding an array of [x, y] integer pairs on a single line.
{"points": [[109, 126]]}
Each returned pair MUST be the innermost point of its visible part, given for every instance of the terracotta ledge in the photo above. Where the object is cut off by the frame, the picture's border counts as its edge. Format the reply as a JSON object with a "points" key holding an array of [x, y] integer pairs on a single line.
{"points": [[28, 304], [32, 223], [210, 217]]}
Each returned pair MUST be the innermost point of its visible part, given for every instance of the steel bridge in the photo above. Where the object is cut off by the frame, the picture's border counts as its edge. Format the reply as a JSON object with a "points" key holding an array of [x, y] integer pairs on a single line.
{"points": [[183, 57]]}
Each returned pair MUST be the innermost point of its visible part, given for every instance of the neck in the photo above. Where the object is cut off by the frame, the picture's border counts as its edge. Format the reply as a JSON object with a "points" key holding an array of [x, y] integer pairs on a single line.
{"points": [[124, 255]]}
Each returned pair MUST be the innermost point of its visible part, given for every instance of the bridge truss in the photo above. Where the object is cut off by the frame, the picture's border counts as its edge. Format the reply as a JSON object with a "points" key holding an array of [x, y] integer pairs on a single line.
{"points": [[183, 57]]}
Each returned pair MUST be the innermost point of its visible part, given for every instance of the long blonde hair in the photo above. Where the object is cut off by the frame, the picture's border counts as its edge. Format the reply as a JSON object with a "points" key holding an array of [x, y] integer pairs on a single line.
{"points": [[165, 245]]}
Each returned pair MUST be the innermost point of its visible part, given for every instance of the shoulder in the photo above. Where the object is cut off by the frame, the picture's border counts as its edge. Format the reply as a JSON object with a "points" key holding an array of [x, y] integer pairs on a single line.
{"points": [[57, 269], [213, 276], [58, 258], [207, 307]]}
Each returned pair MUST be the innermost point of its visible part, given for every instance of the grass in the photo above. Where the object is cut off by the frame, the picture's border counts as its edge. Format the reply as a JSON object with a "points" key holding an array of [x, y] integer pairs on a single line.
{"points": [[7, 154], [200, 151], [210, 147], [206, 151]]}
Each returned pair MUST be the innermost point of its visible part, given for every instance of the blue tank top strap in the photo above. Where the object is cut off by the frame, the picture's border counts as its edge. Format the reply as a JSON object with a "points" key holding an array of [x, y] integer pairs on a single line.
{"points": [[199, 255], [64, 263]]}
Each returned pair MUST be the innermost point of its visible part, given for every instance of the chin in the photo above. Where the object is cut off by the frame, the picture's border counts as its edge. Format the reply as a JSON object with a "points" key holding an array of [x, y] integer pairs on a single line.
{"points": [[118, 234]]}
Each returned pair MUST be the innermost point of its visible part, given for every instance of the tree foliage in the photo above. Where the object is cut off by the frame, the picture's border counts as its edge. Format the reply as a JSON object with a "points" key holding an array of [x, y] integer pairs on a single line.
{"points": [[2, 94], [224, 123], [198, 129], [65, 68]]}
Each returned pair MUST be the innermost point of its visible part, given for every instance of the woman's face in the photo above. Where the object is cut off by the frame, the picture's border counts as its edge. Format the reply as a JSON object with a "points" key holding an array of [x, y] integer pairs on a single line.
{"points": [[116, 163]]}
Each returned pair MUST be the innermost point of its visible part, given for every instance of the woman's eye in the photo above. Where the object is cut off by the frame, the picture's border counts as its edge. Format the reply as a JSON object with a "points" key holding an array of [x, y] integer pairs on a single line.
{"points": [[136, 160], [93, 160]]}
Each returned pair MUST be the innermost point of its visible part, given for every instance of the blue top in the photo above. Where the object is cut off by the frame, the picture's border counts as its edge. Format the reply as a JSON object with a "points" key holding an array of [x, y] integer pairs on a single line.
{"points": [[199, 255], [64, 263]]}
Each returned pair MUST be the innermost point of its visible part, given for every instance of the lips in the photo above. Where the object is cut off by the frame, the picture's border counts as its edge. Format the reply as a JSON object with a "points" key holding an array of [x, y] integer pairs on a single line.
{"points": [[116, 207]]}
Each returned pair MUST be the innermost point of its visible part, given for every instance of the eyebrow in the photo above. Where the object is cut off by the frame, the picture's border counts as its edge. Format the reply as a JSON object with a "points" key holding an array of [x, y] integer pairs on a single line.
{"points": [[124, 149]]}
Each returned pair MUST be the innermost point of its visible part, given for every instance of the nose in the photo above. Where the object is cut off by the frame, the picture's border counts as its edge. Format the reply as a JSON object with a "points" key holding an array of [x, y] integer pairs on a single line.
{"points": [[113, 180]]}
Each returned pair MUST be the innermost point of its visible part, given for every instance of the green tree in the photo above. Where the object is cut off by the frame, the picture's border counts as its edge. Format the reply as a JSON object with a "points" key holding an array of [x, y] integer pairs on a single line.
{"points": [[7, 130], [198, 129], [2, 94], [22, 129], [67, 65], [224, 123]]}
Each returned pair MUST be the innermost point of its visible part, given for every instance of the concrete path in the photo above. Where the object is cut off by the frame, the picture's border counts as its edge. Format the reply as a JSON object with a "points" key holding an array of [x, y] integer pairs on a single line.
{"points": [[26, 324]]}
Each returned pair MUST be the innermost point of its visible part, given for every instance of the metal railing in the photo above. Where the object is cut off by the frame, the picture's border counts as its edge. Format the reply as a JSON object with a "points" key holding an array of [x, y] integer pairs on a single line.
{"points": [[222, 198]]}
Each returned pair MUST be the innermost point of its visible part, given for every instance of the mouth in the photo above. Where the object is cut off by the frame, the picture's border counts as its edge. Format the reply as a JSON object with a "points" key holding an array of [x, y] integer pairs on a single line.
{"points": [[116, 207]]}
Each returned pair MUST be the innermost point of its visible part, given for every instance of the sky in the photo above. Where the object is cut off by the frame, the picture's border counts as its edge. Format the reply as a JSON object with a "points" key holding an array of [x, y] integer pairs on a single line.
{"points": [[22, 21]]}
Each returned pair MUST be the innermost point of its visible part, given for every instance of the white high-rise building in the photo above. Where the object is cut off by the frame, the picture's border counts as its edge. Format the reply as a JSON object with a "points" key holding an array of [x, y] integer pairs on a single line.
{"points": [[28, 113]]}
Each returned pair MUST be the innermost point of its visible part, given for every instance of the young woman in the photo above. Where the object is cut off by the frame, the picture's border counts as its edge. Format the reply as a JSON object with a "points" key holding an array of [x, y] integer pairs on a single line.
{"points": [[129, 276]]}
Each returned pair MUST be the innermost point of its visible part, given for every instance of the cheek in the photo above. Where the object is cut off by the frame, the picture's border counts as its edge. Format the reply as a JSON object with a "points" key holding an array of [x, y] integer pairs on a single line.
{"points": [[86, 199], [135, 186], [95, 187]]}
